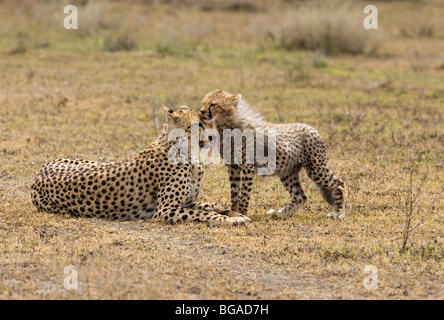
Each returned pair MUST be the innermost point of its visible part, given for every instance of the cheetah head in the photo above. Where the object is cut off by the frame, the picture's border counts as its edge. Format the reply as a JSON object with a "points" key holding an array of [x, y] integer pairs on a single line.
{"points": [[185, 119], [218, 106]]}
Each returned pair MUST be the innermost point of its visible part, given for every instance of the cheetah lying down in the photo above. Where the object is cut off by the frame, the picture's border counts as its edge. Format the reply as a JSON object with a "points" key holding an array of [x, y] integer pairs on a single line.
{"points": [[148, 185]]}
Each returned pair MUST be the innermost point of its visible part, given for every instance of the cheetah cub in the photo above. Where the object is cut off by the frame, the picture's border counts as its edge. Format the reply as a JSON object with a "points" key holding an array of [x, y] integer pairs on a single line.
{"points": [[297, 146], [147, 185]]}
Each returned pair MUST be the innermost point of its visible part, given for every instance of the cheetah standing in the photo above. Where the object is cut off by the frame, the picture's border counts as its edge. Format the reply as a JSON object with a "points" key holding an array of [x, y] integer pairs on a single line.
{"points": [[148, 185], [297, 146]]}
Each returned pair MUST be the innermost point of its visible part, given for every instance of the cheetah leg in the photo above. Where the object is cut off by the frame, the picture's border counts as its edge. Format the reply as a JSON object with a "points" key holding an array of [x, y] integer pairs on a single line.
{"points": [[246, 188], [235, 174], [176, 214], [216, 208], [332, 188], [210, 207], [170, 210], [298, 198]]}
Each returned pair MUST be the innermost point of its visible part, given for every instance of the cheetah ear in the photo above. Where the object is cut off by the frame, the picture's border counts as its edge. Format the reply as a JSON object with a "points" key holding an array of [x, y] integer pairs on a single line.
{"points": [[184, 108], [236, 99], [170, 113]]}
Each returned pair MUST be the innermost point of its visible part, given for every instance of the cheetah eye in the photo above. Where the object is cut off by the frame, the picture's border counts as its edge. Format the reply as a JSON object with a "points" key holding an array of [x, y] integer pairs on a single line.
{"points": [[212, 105]]}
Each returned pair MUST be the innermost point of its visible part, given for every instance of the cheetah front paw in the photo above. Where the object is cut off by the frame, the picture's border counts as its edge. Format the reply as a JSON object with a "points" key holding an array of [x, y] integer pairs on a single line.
{"points": [[280, 213], [274, 212], [239, 220], [220, 209], [228, 221], [336, 215], [235, 214]]}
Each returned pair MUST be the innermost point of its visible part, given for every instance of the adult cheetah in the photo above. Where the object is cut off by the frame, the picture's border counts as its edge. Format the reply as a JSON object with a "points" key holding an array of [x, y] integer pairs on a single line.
{"points": [[147, 185], [297, 146]]}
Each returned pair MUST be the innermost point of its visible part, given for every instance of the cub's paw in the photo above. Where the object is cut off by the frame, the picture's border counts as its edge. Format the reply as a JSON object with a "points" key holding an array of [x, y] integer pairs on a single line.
{"points": [[277, 214], [336, 215], [274, 212]]}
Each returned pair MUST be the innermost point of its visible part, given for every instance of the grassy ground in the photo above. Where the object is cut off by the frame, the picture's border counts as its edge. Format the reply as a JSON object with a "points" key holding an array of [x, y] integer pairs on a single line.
{"points": [[72, 93]]}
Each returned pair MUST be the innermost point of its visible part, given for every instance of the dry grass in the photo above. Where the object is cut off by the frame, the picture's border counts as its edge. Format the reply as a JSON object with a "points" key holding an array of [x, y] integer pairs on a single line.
{"points": [[71, 98], [333, 27]]}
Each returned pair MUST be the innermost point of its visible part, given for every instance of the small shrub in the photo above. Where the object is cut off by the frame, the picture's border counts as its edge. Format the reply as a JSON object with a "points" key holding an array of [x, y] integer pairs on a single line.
{"points": [[298, 70], [124, 42], [165, 49], [24, 42], [430, 250], [423, 29], [241, 7], [318, 60], [233, 6]]}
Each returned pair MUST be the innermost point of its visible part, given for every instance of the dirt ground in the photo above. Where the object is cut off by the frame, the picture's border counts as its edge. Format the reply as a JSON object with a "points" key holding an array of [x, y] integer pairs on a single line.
{"points": [[97, 93]]}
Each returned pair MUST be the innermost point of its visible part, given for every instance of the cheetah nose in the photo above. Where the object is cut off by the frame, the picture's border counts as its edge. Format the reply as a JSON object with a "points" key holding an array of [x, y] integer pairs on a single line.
{"points": [[202, 113]]}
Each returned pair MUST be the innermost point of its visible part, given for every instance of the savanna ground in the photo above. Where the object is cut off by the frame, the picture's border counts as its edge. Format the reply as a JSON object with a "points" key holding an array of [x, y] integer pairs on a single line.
{"points": [[96, 93]]}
